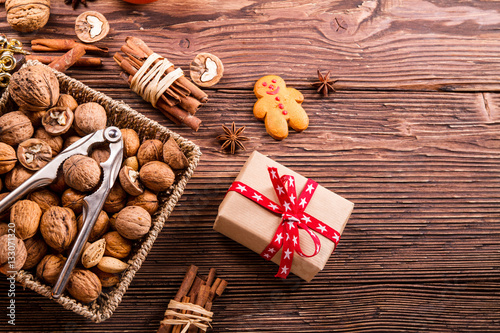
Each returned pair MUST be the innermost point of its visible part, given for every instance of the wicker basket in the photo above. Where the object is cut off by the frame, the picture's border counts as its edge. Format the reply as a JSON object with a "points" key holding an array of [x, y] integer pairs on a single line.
{"points": [[120, 115]]}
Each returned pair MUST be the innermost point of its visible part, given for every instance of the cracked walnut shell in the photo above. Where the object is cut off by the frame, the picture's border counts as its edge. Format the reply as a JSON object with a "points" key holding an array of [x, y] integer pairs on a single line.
{"points": [[27, 15], [34, 154]]}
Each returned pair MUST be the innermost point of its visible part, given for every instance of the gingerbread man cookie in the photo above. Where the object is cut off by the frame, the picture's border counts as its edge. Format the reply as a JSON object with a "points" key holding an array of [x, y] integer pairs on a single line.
{"points": [[279, 107]]}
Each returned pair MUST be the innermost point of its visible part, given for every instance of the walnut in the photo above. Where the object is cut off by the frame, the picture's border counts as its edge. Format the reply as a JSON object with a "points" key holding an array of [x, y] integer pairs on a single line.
{"points": [[131, 162], [70, 140], [148, 200], [25, 215], [36, 249], [111, 265], [133, 222], [157, 176], [8, 158], [44, 198], [58, 185], [17, 176], [58, 227], [93, 253], [15, 128], [55, 142], [100, 227], [84, 285], [58, 120], [107, 279], [89, 117], [35, 117], [34, 154], [27, 15], [100, 154], [67, 101], [116, 245], [19, 254], [150, 150], [91, 27], [173, 156], [131, 142], [4, 229], [112, 221], [116, 200], [73, 199], [81, 173], [50, 267], [34, 88], [206, 70], [129, 179]]}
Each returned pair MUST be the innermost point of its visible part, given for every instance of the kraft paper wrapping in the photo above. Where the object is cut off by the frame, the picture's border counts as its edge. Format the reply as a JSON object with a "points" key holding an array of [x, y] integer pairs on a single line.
{"points": [[253, 226]]}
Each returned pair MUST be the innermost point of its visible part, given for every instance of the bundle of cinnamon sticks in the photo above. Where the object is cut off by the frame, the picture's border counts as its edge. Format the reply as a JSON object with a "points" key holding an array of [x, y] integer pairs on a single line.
{"points": [[180, 101], [200, 291]]}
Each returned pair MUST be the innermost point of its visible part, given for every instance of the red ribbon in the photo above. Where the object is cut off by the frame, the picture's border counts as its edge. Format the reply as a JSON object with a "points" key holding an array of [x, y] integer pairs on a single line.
{"points": [[293, 217]]}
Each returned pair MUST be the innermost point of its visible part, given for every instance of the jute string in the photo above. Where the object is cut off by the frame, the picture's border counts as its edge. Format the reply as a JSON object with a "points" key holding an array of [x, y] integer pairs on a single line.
{"points": [[149, 84], [199, 317]]}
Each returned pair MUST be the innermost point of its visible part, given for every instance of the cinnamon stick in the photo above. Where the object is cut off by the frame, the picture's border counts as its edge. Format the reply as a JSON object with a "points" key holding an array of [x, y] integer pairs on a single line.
{"points": [[54, 45], [201, 300], [67, 60], [211, 276], [82, 62], [186, 283]]}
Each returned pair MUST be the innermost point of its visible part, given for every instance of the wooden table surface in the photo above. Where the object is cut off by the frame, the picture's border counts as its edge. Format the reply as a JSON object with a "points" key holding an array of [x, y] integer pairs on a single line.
{"points": [[411, 137]]}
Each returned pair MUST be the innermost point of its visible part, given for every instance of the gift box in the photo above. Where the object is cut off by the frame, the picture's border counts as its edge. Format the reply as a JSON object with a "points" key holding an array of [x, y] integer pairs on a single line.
{"points": [[283, 216]]}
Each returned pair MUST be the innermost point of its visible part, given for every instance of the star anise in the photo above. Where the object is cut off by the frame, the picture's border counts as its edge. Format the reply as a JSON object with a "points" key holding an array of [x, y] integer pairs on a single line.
{"points": [[232, 138], [324, 84]]}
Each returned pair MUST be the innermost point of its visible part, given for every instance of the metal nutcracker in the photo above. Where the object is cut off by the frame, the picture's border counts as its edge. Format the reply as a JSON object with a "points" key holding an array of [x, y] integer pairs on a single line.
{"points": [[92, 203]]}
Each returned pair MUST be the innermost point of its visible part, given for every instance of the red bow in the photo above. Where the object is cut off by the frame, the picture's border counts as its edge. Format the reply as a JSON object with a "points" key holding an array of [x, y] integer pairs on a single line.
{"points": [[293, 217]]}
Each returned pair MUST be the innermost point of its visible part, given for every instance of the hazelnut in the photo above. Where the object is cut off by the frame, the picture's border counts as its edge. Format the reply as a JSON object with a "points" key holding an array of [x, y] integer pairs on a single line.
{"points": [[206, 70], [15, 177], [81, 173], [69, 141], [131, 162], [20, 254], [131, 142], [116, 245], [58, 120], [58, 185], [34, 88], [157, 176], [44, 198], [89, 117], [93, 253], [116, 200], [4, 229], [100, 154], [148, 200], [173, 156], [27, 15], [73, 199], [34, 154], [133, 222], [8, 158], [100, 227], [84, 285], [35, 117], [55, 142], [107, 279], [67, 101], [150, 150], [15, 128], [50, 267], [58, 227], [91, 27], [129, 179], [36, 249], [25, 214]]}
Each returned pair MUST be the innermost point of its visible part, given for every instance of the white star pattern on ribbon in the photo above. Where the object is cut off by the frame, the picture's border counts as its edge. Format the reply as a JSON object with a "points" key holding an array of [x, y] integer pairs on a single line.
{"points": [[336, 237], [273, 174], [257, 197], [280, 189], [317, 248], [273, 206], [290, 225], [279, 237], [287, 254], [284, 270], [290, 181], [241, 188], [267, 256], [271, 250], [310, 188], [322, 229], [294, 240], [287, 206], [306, 219], [303, 202], [292, 198]]}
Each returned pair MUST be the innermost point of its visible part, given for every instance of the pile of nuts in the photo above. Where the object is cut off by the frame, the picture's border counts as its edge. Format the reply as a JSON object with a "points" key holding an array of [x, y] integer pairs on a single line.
{"points": [[48, 220]]}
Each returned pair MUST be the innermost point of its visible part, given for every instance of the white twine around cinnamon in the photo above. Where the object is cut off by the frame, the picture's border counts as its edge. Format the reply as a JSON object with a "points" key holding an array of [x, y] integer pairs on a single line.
{"points": [[150, 83], [198, 316]]}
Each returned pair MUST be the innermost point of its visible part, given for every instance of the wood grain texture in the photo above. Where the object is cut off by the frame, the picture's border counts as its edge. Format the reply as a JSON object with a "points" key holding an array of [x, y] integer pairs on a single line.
{"points": [[411, 137]]}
